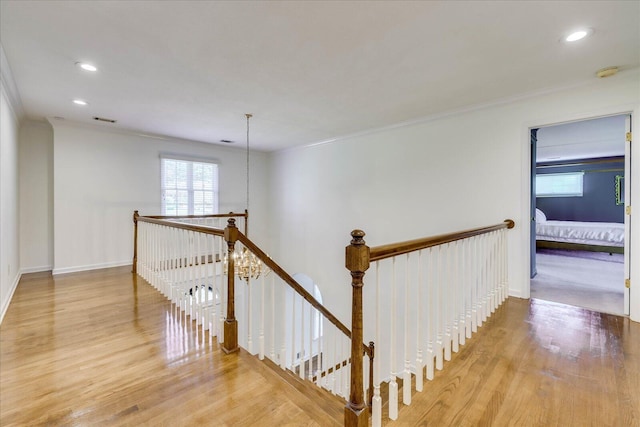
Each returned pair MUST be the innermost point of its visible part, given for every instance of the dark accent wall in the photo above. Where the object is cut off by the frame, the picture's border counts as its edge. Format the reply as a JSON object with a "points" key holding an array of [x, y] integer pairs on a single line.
{"points": [[598, 202]]}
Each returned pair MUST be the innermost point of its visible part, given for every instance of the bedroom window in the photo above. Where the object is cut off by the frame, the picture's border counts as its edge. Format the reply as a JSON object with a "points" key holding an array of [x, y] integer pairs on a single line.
{"points": [[559, 184], [189, 187]]}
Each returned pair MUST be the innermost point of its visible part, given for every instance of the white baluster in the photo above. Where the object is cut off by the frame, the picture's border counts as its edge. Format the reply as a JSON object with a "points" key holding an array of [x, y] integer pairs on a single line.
{"points": [[469, 286], [293, 331], [485, 281], [273, 320], [454, 298], [321, 353], [283, 349], [311, 335], [211, 297], [334, 374], [462, 311], [432, 313], [262, 303], [505, 267], [419, 302], [346, 368], [249, 306], [301, 358], [376, 404], [195, 294], [393, 385], [448, 298], [223, 290], [480, 272], [440, 309], [406, 376]]}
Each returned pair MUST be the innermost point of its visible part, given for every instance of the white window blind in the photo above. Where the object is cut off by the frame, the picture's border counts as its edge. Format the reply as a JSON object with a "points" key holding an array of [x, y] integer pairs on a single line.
{"points": [[189, 187], [559, 184]]}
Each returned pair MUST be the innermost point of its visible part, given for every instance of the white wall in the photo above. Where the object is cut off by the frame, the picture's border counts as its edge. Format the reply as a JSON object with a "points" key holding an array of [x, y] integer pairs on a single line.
{"points": [[445, 174], [9, 219], [36, 196], [100, 177]]}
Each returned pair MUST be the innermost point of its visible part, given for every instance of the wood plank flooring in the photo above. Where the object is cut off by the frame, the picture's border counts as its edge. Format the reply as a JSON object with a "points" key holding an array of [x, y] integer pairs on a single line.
{"points": [[537, 363], [104, 348]]}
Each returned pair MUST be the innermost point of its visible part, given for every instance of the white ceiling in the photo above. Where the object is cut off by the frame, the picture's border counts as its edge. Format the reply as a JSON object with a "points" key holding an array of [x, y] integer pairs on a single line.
{"points": [[602, 137], [309, 71]]}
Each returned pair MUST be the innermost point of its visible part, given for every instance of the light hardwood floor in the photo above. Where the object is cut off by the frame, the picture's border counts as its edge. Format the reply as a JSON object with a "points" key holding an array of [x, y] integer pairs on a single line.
{"points": [[104, 348]]}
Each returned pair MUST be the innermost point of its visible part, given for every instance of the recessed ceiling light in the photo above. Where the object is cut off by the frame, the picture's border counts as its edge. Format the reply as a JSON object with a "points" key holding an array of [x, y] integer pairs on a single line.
{"points": [[578, 35], [79, 102], [86, 66]]}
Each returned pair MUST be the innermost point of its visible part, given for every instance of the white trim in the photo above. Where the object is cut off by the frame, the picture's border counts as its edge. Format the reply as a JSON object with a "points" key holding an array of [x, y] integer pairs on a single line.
{"points": [[516, 294], [36, 269], [90, 267], [631, 109], [110, 128], [10, 85], [6, 303], [189, 158]]}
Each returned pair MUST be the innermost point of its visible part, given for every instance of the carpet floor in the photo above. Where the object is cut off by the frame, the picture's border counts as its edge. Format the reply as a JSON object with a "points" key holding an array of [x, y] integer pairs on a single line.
{"points": [[580, 278]]}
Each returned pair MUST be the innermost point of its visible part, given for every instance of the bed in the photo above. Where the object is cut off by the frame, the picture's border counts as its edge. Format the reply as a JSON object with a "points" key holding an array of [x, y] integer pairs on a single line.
{"points": [[576, 235]]}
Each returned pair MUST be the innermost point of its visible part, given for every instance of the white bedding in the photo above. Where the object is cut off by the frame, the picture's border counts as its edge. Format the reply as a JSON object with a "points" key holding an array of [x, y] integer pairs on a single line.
{"points": [[588, 233]]}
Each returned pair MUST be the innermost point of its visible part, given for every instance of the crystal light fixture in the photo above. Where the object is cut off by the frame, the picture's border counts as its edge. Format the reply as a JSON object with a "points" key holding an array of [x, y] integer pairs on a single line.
{"points": [[247, 265]]}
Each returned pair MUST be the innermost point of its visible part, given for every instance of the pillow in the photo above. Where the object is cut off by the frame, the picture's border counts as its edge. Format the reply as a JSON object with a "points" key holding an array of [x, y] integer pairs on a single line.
{"points": [[540, 216]]}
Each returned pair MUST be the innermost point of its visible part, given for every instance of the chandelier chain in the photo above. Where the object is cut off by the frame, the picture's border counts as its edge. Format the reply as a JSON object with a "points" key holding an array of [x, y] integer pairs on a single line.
{"points": [[248, 117]]}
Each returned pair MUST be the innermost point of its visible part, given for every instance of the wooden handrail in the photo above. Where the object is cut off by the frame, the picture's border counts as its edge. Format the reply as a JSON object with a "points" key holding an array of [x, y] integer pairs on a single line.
{"points": [[229, 215], [244, 215], [393, 249], [190, 227]]}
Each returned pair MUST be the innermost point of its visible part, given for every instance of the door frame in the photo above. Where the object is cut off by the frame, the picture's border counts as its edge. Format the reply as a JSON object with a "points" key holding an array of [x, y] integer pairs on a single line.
{"points": [[527, 202]]}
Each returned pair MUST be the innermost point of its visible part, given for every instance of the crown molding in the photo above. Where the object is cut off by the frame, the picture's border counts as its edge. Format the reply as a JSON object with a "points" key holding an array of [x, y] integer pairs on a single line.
{"points": [[630, 73], [9, 85], [106, 128]]}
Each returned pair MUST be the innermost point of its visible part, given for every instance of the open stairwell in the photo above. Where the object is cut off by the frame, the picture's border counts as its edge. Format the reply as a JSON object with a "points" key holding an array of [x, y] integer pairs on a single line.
{"points": [[425, 298], [325, 408]]}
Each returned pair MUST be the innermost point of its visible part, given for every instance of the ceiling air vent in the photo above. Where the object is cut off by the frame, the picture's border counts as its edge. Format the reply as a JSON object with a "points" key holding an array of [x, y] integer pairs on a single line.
{"points": [[102, 119]]}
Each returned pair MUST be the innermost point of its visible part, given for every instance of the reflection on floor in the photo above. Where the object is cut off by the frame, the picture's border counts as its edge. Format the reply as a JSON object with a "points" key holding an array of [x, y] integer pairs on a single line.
{"points": [[585, 279]]}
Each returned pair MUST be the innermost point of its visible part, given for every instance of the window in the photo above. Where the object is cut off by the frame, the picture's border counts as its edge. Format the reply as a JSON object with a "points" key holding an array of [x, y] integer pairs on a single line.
{"points": [[559, 184], [189, 187]]}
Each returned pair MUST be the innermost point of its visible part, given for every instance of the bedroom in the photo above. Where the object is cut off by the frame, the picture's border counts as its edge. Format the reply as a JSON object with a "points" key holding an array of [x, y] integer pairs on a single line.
{"points": [[580, 213]]}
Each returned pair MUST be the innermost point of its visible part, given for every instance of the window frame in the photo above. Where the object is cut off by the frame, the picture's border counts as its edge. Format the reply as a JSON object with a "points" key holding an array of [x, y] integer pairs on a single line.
{"points": [[192, 206], [569, 193]]}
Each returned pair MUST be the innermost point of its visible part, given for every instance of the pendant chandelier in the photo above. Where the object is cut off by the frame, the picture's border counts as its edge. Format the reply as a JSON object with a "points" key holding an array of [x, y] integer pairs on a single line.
{"points": [[247, 265]]}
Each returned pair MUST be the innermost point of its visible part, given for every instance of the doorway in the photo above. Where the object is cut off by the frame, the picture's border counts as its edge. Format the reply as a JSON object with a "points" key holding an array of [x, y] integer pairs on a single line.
{"points": [[580, 231]]}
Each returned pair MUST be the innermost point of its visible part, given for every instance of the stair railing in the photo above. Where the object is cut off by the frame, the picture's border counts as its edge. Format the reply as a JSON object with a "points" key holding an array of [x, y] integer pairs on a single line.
{"points": [[194, 266], [436, 290]]}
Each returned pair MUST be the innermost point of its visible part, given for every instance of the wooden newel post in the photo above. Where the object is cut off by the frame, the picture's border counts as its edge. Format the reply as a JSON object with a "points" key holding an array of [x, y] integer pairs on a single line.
{"points": [[357, 262], [134, 269], [230, 343]]}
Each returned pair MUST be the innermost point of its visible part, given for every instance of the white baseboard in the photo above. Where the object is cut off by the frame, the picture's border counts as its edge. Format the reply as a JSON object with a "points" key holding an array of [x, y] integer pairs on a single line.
{"points": [[36, 269], [90, 267], [5, 304], [516, 293]]}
